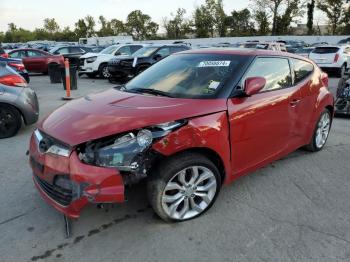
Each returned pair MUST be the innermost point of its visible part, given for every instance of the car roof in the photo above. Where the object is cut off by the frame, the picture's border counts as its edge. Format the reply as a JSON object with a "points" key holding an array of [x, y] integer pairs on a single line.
{"points": [[27, 49], [242, 51]]}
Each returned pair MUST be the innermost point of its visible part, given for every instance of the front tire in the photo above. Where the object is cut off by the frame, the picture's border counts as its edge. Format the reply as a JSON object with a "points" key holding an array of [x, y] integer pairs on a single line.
{"points": [[10, 121], [321, 132], [103, 71], [183, 187]]}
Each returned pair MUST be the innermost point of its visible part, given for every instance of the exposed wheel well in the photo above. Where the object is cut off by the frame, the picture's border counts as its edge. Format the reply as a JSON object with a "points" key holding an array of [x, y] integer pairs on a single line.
{"points": [[211, 155]]}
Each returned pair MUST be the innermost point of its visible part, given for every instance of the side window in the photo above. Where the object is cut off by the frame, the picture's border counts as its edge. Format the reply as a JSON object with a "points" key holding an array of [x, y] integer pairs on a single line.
{"points": [[62, 51], [18, 54], [276, 71], [125, 50], [76, 50], [32, 53], [302, 70], [163, 52], [134, 48], [176, 49]]}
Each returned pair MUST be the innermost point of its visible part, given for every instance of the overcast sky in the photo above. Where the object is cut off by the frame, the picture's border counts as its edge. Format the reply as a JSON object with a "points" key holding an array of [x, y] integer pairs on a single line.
{"points": [[30, 14]]}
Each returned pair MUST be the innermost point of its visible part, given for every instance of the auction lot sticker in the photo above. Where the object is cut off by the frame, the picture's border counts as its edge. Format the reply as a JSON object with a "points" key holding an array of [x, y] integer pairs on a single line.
{"points": [[214, 63]]}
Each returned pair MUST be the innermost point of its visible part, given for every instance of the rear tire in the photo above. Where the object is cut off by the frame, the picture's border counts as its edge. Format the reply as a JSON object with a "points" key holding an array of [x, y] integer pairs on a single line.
{"points": [[10, 121], [321, 132], [175, 199]]}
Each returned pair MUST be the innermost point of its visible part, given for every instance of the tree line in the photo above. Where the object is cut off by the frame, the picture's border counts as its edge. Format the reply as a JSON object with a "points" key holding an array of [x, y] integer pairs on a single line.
{"points": [[262, 17]]}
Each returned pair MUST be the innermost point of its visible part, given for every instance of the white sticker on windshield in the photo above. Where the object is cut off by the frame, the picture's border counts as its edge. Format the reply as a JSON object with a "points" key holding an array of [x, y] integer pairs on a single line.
{"points": [[213, 63], [213, 85], [134, 62]]}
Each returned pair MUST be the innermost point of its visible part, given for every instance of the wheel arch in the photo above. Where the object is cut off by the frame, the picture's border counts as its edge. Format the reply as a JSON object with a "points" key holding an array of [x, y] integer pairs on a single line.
{"points": [[208, 153]]}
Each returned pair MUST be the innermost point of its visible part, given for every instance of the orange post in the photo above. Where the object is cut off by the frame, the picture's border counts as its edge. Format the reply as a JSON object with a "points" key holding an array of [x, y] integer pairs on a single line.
{"points": [[66, 66]]}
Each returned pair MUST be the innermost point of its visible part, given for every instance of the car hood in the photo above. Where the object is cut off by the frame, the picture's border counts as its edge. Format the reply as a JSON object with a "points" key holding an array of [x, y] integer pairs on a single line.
{"points": [[112, 112], [88, 55]]}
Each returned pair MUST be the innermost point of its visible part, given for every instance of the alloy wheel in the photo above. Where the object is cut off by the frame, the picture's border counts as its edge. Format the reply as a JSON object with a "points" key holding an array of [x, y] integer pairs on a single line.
{"points": [[323, 128], [105, 72], [189, 192]]}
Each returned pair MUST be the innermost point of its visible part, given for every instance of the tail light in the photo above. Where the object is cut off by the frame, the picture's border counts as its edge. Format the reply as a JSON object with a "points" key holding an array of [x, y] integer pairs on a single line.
{"points": [[13, 80], [336, 58], [5, 55], [19, 67], [324, 78]]}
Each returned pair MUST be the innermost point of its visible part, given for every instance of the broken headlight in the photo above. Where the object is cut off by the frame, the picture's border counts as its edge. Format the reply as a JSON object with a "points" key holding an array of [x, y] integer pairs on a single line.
{"points": [[126, 151]]}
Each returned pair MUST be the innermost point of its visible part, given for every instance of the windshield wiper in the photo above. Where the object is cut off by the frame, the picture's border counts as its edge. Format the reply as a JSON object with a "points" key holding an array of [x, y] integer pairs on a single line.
{"points": [[150, 91]]}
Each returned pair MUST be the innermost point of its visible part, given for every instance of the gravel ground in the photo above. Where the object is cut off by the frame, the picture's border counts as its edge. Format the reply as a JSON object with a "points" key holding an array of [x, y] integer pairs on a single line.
{"points": [[296, 209]]}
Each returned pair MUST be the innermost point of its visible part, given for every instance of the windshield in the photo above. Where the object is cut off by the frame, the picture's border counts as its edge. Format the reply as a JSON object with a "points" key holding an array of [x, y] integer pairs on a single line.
{"points": [[325, 50], [109, 50], [145, 51], [188, 75]]}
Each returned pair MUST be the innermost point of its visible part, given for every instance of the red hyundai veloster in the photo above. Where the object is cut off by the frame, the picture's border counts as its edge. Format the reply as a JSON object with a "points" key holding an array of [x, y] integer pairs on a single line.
{"points": [[189, 124]]}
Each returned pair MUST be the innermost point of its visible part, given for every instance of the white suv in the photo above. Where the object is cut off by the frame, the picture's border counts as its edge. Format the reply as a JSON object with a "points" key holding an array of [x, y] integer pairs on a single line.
{"points": [[93, 64], [332, 58]]}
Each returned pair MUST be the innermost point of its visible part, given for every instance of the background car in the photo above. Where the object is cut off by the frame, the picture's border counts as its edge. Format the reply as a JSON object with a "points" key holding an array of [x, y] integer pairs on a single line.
{"points": [[3, 53], [332, 58], [17, 102], [274, 46], [123, 67], [17, 65], [304, 51], [36, 60], [93, 64], [73, 53]]}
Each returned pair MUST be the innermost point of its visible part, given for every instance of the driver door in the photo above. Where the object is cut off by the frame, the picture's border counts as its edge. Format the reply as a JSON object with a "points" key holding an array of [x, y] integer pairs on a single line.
{"points": [[260, 125]]}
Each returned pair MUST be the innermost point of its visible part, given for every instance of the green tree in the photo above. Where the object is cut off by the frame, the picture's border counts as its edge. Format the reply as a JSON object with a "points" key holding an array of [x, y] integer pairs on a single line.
{"points": [[261, 18], [90, 25], [178, 26], [81, 29], [140, 25], [310, 17], [51, 26], [106, 27], [334, 11], [117, 26], [292, 9], [240, 23]]}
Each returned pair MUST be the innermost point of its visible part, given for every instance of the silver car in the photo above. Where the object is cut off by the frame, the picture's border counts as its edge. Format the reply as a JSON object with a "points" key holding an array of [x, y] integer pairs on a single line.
{"points": [[17, 102]]}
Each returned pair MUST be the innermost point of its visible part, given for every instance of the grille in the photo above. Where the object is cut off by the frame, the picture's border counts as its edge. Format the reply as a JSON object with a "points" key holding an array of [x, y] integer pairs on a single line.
{"points": [[61, 195]]}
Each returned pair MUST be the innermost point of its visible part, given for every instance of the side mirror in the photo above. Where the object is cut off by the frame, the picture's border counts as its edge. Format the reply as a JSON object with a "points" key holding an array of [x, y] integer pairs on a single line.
{"points": [[117, 53], [157, 56], [253, 85]]}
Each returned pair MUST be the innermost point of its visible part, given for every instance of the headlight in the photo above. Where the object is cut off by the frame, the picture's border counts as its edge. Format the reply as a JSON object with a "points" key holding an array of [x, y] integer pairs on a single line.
{"points": [[125, 152], [91, 59]]}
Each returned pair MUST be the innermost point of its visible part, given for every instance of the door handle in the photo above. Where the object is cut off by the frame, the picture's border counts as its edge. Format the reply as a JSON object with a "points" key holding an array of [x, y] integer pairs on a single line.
{"points": [[294, 102]]}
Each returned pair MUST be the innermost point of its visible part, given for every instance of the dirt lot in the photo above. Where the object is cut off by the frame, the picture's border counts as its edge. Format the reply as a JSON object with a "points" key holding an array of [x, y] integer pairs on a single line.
{"points": [[296, 209]]}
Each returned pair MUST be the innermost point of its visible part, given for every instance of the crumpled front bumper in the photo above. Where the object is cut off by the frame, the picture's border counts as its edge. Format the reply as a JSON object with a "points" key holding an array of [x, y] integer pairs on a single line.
{"points": [[86, 183]]}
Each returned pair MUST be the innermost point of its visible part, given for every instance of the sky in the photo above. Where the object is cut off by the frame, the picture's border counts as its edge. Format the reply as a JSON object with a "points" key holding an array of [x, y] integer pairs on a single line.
{"points": [[29, 14]]}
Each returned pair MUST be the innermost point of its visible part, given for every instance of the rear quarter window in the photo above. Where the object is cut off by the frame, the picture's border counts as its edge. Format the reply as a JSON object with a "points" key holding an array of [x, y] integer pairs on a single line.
{"points": [[302, 70], [325, 50]]}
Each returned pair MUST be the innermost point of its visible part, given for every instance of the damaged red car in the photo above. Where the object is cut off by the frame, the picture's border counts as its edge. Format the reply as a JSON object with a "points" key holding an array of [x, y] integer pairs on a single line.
{"points": [[189, 124]]}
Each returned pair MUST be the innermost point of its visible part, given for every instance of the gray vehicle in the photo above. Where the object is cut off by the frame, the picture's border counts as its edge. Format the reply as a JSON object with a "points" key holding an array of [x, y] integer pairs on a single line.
{"points": [[17, 102]]}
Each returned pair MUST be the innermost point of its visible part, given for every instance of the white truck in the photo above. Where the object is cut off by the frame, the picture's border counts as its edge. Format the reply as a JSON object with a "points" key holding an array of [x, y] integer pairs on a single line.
{"points": [[106, 40], [93, 64]]}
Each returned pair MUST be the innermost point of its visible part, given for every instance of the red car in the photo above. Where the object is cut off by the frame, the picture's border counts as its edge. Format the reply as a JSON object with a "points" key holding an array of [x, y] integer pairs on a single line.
{"points": [[189, 124], [36, 60]]}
